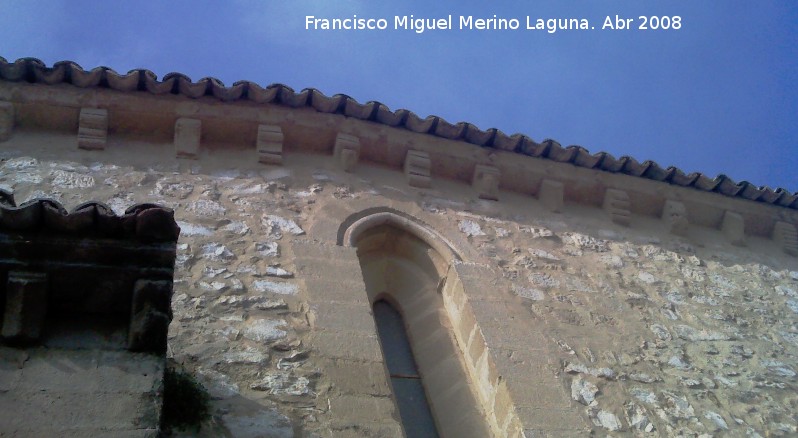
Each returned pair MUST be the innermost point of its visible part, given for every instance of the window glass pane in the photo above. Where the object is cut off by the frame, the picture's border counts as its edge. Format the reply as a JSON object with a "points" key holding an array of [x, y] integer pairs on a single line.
{"points": [[408, 388]]}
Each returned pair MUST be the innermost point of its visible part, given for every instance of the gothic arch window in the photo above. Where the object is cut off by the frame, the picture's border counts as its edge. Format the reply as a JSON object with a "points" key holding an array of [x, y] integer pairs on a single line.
{"points": [[405, 267]]}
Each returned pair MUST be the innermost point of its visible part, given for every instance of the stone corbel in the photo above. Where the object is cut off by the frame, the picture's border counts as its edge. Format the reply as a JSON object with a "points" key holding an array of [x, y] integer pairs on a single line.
{"points": [[150, 315], [486, 182], [270, 144], [93, 128], [6, 120], [346, 151], [786, 237], [552, 195], [733, 226], [187, 137], [674, 214], [418, 169], [25, 307], [618, 205]]}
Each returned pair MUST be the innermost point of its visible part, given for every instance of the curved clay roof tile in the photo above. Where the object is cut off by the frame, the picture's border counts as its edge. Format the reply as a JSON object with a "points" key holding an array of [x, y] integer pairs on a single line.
{"points": [[35, 71]]}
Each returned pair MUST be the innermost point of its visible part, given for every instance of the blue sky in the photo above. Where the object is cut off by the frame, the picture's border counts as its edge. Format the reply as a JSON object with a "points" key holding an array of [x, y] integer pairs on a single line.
{"points": [[717, 96]]}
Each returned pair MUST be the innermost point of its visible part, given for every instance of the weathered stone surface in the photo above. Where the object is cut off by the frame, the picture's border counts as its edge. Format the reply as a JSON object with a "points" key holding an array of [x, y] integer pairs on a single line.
{"points": [[733, 226], [188, 133], [93, 128], [552, 195], [675, 216], [786, 236], [346, 151], [6, 120], [617, 205], [486, 181], [25, 306], [270, 144], [418, 169], [150, 315]]}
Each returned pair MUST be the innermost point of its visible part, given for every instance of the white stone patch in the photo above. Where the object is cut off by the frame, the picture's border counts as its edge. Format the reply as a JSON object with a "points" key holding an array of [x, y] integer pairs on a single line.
{"points": [[690, 334], [501, 232], [71, 180], [720, 423], [794, 275], [218, 385], [470, 228], [612, 261], [647, 277], [265, 330], [644, 395], [268, 249], [216, 252], [206, 208], [265, 423], [236, 227], [277, 224], [543, 280], [583, 391], [786, 291], [778, 368], [276, 271], [189, 229], [173, 187], [608, 420], [26, 178], [529, 293], [283, 383], [660, 331], [677, 405], [539, 253], [586, 242], [248, 356], [21, 163], [275, 287]]}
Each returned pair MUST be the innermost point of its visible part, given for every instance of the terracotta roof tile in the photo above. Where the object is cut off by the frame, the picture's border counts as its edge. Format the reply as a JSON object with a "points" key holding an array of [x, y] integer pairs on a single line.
{"points": [[35, 71], [147, 222]]}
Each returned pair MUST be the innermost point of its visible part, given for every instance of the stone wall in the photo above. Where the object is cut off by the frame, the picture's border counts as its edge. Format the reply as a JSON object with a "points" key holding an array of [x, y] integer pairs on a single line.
{"points": [[589, 325]]}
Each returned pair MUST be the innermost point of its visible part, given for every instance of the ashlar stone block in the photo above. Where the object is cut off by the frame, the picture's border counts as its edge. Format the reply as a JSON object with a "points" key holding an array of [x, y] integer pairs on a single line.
{"points": [[26, 304], [6, 120], [552, 195], [150, 315], [93, 128], [486, 182], [347, 151], [618, 205], [418, 169], [187, 137], [786, 236], [674, 214], [733, 226], [270, 144]]}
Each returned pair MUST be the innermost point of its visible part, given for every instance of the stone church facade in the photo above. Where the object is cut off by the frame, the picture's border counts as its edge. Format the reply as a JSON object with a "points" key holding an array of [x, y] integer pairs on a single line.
{"points": [[542, 290]]}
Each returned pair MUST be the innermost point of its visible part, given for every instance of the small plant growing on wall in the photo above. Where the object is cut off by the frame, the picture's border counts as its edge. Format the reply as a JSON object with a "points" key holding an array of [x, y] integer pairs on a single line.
{"points": [[185, 401]]}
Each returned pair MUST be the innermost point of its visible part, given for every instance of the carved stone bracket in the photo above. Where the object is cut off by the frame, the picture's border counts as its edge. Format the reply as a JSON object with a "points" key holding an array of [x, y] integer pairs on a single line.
{"points": [[618, 205], [25, 307], [787, 237], [6, 120], [733, 226], [347, 151], [552, 195], [150, 315], [674, 214], [187, 137], [417, 169], [270, 144], [93, 128], [486, 182]]}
